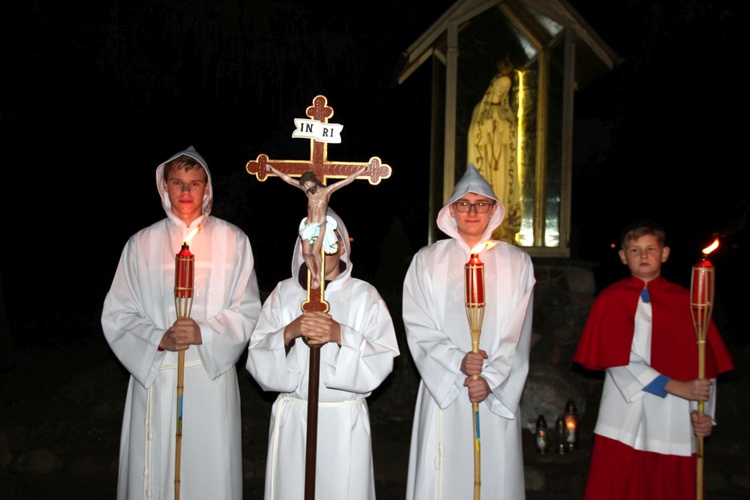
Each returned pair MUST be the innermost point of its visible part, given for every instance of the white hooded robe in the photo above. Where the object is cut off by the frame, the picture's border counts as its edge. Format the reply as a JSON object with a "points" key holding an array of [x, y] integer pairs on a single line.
{"points": [[348, 375], [138, 310], [441, 461]]}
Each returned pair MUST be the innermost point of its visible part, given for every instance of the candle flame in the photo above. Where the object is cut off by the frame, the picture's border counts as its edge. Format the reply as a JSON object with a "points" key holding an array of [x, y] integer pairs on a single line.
{"points": [[192, 234], [485, 245], [710, 248]]}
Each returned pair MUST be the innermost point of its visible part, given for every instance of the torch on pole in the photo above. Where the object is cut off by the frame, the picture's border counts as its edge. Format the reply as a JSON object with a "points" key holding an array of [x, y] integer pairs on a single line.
{"points": [[701, 306], [183, 302], [474, 295]]}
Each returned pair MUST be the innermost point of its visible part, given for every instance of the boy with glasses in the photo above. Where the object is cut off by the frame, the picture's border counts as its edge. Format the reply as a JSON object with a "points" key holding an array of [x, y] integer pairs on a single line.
{"points": [[441, 461]]}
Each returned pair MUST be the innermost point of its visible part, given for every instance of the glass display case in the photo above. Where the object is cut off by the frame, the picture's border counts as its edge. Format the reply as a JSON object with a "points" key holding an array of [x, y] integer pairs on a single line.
{"points": [[504, 75]]}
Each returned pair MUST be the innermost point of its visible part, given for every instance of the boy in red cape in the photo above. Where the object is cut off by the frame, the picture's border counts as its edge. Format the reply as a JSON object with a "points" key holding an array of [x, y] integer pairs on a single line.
{"points": [[640, 332]]}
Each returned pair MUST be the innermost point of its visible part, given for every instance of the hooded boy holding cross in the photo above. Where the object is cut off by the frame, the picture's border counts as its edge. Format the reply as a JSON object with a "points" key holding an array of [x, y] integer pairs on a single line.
{"points": [[357, 344]]}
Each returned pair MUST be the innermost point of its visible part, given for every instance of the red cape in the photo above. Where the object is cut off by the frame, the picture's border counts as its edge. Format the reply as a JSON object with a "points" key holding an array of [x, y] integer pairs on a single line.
{"points": [[608, 334]]}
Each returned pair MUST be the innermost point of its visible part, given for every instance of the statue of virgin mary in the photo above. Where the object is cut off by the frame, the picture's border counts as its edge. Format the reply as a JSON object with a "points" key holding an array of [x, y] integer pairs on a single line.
{"points": [[492, 144]]}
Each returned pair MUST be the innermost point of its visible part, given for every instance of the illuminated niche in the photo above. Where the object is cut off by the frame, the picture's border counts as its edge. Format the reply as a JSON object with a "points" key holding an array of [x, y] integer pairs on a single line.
{"points": [[553, 53]]}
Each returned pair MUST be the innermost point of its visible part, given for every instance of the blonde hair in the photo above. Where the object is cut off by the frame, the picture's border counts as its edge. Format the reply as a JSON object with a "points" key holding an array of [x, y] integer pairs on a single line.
{"points": [[183, 162]]}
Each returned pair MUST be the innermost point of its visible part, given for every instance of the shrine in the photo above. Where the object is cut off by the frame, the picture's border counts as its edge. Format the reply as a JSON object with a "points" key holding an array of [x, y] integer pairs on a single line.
{"points": [[548, 52]]}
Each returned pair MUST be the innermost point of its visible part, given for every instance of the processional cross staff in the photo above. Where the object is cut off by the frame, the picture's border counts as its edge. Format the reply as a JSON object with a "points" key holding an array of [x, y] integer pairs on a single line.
{"points": [[313, 175]]}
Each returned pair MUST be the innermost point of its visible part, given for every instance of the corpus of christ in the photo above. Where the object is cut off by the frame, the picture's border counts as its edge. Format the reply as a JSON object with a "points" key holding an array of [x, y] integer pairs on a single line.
{"points": [[312, 176]]}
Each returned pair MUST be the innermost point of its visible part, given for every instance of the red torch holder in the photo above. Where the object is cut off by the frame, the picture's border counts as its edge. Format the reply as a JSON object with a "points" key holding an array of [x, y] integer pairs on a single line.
{"points": [[183, 282], [474, 294], [701, 306], [183, 302]]}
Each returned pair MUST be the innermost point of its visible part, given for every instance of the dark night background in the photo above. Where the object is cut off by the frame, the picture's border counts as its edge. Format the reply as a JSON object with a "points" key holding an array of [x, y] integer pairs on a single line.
{"points": [[97, 95]]}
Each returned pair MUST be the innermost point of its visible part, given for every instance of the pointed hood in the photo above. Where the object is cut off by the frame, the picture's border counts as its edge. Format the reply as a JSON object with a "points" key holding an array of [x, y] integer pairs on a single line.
{"points": [[207, 198], [471, 182], [298, 260]]}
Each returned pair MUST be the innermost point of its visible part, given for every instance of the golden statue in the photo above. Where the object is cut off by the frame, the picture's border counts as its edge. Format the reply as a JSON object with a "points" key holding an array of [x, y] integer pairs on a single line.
{"points": [[491, 147]]}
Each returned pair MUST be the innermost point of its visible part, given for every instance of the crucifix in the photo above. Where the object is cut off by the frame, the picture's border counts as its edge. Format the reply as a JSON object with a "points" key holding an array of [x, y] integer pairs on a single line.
{"points": [[312, 177], [316, 172]]}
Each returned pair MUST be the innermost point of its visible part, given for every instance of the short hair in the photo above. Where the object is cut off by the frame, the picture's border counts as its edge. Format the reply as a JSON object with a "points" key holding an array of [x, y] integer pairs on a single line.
{"points": [[642, 227], [309, 176], [182, 162]]}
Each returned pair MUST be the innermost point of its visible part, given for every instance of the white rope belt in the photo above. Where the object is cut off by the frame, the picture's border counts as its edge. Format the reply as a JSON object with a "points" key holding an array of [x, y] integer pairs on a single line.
{"points": [[286, 398], [439, 453]]}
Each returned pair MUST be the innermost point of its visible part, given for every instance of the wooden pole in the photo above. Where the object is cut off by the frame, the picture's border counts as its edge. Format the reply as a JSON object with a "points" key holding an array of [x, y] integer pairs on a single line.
{"points": [[315, 302], [476, 317], [701, 408], [312, 423], [178, 437]]}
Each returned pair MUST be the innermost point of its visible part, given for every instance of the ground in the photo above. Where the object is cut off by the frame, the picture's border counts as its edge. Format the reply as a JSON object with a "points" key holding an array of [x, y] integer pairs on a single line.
{"points": [[61, 409]]}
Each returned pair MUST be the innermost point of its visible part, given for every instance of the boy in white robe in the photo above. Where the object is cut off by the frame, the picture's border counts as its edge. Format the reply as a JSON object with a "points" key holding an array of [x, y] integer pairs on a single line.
{"points": [[139, 323], [357, 347], [441, 461]]}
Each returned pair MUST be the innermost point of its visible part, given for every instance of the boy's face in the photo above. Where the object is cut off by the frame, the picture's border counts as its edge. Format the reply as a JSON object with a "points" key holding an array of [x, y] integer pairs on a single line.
{"points": [[644, 257], [186, 189], [332, 261], [471, 225]]}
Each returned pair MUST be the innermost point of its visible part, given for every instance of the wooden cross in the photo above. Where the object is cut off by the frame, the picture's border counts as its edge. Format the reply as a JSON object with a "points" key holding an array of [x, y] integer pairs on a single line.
{"points": [[324, 170], [375, 171]]}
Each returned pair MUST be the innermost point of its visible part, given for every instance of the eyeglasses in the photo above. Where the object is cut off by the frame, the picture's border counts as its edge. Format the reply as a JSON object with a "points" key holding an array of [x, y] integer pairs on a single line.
{"points": [[480, 207]]}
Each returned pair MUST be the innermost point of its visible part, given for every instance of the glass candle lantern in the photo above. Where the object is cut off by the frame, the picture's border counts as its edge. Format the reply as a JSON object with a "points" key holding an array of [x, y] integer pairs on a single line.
{"points": [[571, 424], [562, 445], [541, 434]]}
